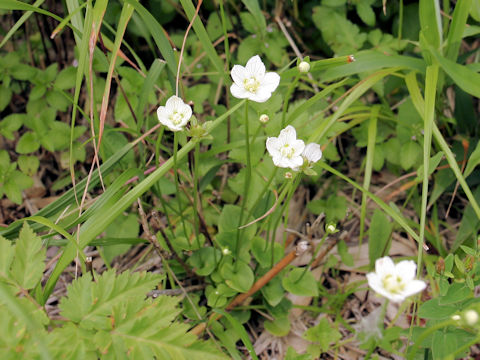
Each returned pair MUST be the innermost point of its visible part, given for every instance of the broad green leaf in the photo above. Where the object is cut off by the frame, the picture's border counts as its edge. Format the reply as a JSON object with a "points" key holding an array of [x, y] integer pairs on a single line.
{"points": [[411, 154], [432, 309], [379, 236], [239, 276], [204, 260], [124, 226], [28, 265], [28, 143], [278, 327], [66, 78], [28, 164], [300, 282]]}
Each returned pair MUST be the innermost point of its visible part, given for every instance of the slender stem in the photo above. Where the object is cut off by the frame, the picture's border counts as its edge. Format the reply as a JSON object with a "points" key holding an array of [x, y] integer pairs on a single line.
{"points": [[248, 174], [175, 177], [195, 193], [292, 86]]}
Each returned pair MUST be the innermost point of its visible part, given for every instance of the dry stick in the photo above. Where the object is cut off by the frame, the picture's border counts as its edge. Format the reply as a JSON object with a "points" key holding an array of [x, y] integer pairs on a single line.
{"points": [[170, 246], [153, 240], [294, 47], [324, 253], [257, 286]]}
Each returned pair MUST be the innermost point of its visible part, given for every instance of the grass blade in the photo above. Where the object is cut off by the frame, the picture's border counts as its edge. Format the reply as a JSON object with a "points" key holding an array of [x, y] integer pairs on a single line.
{"points": [[457, 28]]}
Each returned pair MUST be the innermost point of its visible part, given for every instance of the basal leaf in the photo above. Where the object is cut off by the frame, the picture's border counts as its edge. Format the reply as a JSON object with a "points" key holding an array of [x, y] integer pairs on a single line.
{"points": [[28, 265]]}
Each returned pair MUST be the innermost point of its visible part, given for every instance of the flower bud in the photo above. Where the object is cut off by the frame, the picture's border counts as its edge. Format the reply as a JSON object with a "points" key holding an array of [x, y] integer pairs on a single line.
{"points": [[264, 118], [440, 266], [471, 317], [304, 67], [455, 317], [226, 251], [288, 175], [331, 229]]}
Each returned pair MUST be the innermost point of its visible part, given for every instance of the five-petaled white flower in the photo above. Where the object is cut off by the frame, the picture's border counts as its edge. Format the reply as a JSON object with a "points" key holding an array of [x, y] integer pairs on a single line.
{"points": [[286, 150], [175, 114], [311, 154], [251, 82], [395, 282]]}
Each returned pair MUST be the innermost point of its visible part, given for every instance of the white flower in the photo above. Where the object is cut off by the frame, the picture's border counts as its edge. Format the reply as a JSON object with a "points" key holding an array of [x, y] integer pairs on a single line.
{"points": [[251, 82], [175, 114], [395, 282], [312, 153], [285, 149], [304, 67]]}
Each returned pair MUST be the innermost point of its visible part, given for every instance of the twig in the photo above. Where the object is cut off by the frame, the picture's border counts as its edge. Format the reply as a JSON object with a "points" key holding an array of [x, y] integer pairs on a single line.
{"points": [[300, 249]]}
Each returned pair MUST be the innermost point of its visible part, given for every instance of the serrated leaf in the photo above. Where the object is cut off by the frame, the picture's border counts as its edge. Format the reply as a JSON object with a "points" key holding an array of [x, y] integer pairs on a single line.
{"points": [[6, 255], [89, 303], [28, 264], [323, 333]]}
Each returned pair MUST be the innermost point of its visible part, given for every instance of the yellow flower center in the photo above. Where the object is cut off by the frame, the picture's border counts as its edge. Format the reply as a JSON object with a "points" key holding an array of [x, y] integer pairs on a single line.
{"points": [[287, 151], [393, 284], [176, 118], [251, 84]]}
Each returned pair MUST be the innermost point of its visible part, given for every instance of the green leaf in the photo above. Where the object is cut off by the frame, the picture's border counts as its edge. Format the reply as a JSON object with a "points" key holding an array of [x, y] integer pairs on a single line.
{"points": [[66, 78], [379, 236], [432, 309], [6, 256], [468, 80], [239, 276], [411, 154], [278, 327], [366, 13], [443, 344], [23, 72], [28, 265], [11, 123], [88, 303], [28, 164], [204, 260], [324, 334], [273, 292], [28, 143], [254, 8], [300, 282]]}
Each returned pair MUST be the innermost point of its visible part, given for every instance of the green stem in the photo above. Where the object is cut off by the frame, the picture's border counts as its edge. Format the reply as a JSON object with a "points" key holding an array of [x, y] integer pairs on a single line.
{"points": [[177, 187], [292, 86], [195, 193], [248, 174]]}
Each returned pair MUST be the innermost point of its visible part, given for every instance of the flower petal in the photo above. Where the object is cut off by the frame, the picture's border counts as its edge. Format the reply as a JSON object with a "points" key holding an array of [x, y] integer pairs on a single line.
{"points": [[406, 269], [255, 67], [296, 162], [239, 92], [174, 103], [288, 135], [238, 74], [312, 152], [413, 287], [299, 147], [260, 95], [162, 113], [272, 145], [384, 266], [270, 82]]}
